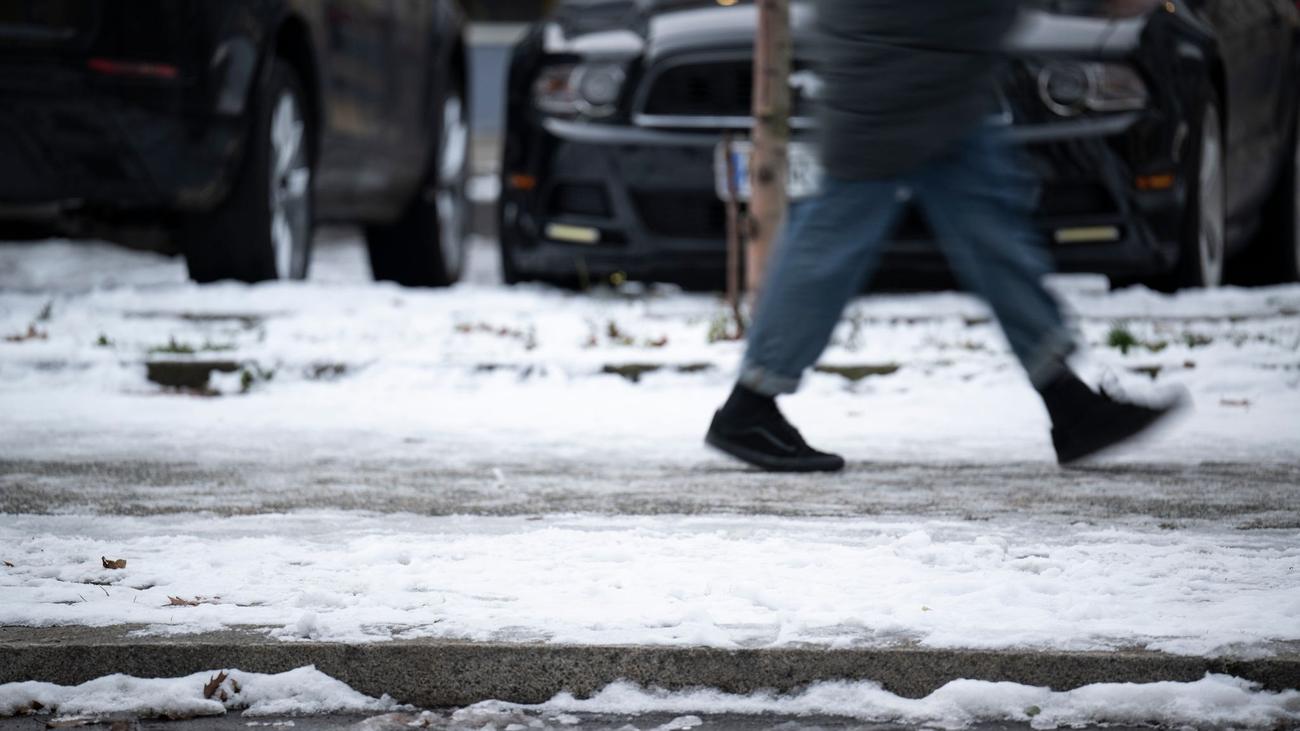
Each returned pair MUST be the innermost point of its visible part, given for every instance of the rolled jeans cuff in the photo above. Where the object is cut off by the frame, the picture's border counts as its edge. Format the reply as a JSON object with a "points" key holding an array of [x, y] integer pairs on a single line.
{"points": [[761, 380], [1048, 360]]}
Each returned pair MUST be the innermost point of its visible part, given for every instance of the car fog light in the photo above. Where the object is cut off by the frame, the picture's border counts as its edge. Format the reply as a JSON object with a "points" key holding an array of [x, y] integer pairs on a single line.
{"points": [[573, 234], [1087, 235]]}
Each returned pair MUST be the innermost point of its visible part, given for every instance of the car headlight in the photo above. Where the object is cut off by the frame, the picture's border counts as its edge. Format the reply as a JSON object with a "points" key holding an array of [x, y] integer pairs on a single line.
{"points": [[1069, 89], [587, 89]]}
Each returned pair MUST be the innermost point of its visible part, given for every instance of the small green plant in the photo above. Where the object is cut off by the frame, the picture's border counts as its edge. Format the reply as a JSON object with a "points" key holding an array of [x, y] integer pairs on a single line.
{"points": [[253, 374], [1196, 340], [1122, 338], [103, 341], [173, 348], [616, 335]]}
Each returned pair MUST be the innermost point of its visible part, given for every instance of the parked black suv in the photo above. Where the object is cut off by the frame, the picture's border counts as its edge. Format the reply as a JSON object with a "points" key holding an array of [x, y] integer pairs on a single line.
{"points": [[1166, 140], [225, 129]]}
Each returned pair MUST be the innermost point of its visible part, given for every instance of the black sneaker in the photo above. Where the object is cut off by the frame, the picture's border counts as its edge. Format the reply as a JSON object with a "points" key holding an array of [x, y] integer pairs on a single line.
{"points": [[1101, 421], [767, 441]]}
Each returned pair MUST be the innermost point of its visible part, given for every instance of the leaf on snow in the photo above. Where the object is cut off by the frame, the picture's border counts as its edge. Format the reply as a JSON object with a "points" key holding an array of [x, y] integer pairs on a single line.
{"points": [[31, 334], [9, 565], [214, 684], [119, 563], [175, 601]]}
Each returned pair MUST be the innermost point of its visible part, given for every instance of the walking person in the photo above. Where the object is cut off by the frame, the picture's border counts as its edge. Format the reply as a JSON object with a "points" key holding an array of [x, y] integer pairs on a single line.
{"points": [[907, 91]]}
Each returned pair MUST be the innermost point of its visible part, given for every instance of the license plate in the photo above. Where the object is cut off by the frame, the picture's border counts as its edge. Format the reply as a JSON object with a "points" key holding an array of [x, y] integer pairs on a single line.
{"points": [[803, 181]]}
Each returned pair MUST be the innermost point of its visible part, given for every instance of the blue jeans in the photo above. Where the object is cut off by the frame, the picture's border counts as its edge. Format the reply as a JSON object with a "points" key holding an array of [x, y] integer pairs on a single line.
{"points": [[978, 200]]}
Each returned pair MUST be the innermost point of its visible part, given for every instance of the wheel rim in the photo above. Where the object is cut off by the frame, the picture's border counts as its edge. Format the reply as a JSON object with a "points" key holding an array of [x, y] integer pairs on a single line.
{"points": [[290, 185], [1210, 247], [453, 160]]}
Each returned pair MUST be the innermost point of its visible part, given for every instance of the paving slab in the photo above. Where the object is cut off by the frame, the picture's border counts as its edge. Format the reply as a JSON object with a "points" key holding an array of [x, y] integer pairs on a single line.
{"points": [[1243, 495]]}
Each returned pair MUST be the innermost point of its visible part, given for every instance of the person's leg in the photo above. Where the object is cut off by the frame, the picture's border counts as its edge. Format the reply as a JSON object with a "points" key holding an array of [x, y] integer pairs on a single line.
{"points": [[979, 201], [829, 246]]}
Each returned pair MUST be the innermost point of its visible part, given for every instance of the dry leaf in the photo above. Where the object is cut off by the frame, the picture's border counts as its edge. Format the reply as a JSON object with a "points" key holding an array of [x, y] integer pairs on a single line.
{"points": [[214, 684], [114, 564], [234, 685], [30, 708], [8, 564], [31, 334], [175, 601]]}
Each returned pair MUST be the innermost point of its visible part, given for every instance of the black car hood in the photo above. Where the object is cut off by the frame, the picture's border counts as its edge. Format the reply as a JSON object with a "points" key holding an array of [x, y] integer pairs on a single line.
{"points": [[656, 28]]}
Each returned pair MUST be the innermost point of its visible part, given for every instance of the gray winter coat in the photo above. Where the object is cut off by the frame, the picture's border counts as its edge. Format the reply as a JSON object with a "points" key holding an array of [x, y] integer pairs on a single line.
{"points": [[904, 79]]}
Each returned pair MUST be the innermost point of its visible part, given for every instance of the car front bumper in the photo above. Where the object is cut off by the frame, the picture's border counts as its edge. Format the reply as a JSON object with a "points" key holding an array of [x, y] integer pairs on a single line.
{"points": [[650, 197]]}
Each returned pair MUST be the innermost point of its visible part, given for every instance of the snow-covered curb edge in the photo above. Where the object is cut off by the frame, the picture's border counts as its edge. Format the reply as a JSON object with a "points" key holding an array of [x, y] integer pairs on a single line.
{"points": [[1213, 701], [303, 691]]}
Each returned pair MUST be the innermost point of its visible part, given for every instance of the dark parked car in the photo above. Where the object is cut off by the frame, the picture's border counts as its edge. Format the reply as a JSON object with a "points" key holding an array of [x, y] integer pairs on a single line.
{"points": [[1166, 139], [224, 129]]}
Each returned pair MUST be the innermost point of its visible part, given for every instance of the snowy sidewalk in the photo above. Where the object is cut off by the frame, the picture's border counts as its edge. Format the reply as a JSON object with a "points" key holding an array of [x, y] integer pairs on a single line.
{"points": [[715, 581], [486, 479], [339, 368]]}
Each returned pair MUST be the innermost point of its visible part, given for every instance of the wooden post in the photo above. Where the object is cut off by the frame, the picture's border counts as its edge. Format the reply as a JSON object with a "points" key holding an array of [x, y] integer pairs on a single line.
{"points": [[733, 240], [768, 170]]}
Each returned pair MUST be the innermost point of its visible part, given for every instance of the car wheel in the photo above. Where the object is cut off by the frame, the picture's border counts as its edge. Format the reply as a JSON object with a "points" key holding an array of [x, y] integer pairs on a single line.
{"points": [[426, 246], [1204, 244], [510, 271], [1287, 245], [1274, 256], [263, 229]]}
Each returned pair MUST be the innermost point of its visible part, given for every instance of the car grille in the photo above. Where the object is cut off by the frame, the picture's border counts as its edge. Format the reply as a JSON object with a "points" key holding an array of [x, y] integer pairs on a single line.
{"points": [[706, 93]]}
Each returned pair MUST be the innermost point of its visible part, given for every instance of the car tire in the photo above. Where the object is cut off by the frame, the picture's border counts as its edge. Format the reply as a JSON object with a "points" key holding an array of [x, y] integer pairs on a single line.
{"points": [[426, 246], [1274, 256], [1203, 249], [263, 228], [510, 272]]}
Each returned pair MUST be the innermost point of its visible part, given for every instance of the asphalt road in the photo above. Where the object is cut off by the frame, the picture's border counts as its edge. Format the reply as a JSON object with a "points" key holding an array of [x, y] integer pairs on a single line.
{"points": [[1244, 496]]}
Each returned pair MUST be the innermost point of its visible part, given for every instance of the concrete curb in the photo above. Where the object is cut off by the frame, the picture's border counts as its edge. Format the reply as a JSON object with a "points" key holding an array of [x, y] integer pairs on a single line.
{"points": [[439, 673]]}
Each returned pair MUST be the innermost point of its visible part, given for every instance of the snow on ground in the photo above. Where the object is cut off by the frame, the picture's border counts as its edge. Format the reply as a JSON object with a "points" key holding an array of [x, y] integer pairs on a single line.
{"points": [[720, 581], [340, 366], [482, 375], [1215, 701], [305, 690]]}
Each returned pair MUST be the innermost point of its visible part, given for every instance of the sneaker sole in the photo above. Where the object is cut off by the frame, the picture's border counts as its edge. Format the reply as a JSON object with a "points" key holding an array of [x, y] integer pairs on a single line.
{"points": [[771, 464]]}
